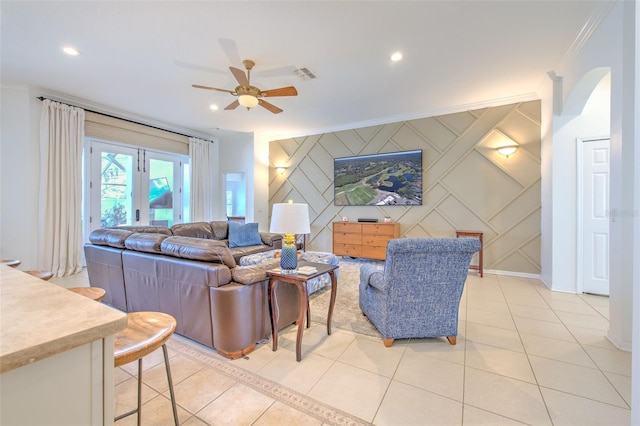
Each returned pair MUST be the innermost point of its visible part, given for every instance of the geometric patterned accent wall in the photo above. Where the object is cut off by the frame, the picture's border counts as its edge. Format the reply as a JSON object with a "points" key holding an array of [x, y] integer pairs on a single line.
{"points": [[467, 184]]}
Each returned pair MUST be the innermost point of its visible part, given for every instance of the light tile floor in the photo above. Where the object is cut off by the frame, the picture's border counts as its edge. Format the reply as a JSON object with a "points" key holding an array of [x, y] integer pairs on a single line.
{"points": [[525, 355]]}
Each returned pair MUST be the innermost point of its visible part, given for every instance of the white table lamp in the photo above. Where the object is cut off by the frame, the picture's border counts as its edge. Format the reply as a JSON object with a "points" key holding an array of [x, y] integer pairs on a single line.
{"points": [[289, 219]]}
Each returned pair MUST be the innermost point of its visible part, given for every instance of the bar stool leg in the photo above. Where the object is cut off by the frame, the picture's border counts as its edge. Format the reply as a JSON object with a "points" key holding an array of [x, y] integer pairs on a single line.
{"points": [[135, 410], [173, 397], [139, 410]]}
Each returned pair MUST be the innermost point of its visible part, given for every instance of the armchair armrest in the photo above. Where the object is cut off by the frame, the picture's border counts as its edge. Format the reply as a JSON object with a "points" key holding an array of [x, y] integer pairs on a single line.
{"points": [[370, 275]]}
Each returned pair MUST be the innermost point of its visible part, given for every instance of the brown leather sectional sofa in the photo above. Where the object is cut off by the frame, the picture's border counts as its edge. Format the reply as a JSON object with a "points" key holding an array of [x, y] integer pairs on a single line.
{"points": [[189, 272]]}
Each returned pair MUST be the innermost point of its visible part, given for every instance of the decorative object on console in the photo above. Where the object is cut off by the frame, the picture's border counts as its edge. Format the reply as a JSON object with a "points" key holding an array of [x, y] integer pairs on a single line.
{"points": [[243, 235], [289, 219]]}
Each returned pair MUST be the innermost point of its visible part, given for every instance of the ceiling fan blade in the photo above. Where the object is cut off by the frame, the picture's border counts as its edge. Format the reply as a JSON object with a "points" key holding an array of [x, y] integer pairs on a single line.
{"points": [[233, 105], [271, 107], [197, 86], [282, 91], [197, 67], [231, 50], [240, 76]]}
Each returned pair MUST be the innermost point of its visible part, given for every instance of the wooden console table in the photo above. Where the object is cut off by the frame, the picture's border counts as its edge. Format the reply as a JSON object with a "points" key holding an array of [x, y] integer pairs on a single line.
{"points": [[300, 281], [363, 239], [478, 235]]}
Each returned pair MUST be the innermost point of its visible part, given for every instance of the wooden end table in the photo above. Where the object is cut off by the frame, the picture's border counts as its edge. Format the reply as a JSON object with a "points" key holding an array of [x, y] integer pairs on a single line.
{"points": [[300, 281], [474, 234]]}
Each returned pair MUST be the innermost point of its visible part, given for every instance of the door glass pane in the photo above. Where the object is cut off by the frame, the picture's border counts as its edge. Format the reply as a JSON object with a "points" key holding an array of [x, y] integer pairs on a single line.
{"points": [[161, 192], [115, 189], [235, 194]]}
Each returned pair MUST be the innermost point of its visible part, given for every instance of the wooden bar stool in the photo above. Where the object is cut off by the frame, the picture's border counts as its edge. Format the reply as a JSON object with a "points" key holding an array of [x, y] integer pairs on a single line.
{"points": [[43, 275], [11, 262], [145, 332], [95, 293]]}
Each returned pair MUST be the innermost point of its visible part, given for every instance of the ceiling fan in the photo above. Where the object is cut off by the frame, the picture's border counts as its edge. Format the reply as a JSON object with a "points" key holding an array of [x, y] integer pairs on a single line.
{"points": [[249, 96]]}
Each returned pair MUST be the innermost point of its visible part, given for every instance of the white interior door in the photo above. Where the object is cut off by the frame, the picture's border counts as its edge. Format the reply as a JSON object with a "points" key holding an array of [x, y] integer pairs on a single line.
{"points": [[595, 216]]}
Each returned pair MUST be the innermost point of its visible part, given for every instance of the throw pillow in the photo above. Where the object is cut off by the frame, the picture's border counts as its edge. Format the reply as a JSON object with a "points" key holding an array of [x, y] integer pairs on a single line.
{"points": [[242, 235]]}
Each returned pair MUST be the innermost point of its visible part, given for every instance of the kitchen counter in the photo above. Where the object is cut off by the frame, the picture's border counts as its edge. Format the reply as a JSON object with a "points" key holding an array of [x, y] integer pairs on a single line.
{"points": [[56, 354], [39, 319]]}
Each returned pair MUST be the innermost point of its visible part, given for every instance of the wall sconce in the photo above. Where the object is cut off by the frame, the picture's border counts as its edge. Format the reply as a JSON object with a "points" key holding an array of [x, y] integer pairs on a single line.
{"points": [[507, 150], [281, 170]]}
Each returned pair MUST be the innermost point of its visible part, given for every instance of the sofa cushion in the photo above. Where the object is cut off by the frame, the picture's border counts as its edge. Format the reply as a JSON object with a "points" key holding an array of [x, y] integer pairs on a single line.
{"points": [[242, 235], [253, 273], [109, 237], [145, 242], [198, 249], [194, 229], [220, 229], [153, 229]]}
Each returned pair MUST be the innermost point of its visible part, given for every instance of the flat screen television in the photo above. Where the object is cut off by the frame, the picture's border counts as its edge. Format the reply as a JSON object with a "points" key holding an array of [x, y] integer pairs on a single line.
{"points": [[392, 179]]}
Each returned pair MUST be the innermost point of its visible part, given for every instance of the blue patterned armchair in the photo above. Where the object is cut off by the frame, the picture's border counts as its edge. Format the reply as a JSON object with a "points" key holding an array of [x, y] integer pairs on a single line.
{"points": [[418, 292]]}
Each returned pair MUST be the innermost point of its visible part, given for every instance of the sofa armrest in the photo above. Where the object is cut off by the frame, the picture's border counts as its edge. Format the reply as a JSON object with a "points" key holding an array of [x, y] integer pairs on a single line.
{"points": [[370, 275], [273, 240], [253, 273]]}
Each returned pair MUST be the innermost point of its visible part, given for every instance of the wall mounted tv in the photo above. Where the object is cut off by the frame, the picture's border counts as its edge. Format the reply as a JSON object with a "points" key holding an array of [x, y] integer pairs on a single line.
{"points": [[393, 179]]}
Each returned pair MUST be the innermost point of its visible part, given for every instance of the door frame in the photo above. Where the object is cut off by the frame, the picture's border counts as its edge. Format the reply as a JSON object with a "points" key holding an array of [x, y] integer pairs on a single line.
{"points": [[138, 184], [580, 206]]}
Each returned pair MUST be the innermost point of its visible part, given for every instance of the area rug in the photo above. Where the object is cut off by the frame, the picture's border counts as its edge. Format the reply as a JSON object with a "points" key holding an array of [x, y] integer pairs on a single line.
{"points": [[346, 313], [323, 412]]}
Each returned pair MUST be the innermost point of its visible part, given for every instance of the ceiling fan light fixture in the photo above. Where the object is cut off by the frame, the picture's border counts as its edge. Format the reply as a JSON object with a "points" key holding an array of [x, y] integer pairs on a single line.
{"points": [[247, 101]]}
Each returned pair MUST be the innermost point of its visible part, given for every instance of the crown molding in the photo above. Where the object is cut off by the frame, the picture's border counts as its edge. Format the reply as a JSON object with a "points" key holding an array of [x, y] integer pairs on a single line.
{"points": [[592, 24]]}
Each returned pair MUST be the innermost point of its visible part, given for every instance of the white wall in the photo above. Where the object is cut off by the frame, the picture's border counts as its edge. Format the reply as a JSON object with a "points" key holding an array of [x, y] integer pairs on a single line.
{"points": [[611, 45], [19, 175], [593, 122]]}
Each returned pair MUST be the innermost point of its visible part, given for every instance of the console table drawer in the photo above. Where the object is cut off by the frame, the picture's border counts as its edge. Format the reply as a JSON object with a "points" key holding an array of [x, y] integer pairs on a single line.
{"points": [[350, 227], [344, 238], [389, 230], [347, 250], [375, 240], [374, 252]]}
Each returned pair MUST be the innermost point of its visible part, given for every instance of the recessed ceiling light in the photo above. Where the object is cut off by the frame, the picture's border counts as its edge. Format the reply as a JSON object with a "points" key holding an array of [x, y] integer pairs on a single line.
{"points": [[396, 56], [71, 51], [213, 107]]}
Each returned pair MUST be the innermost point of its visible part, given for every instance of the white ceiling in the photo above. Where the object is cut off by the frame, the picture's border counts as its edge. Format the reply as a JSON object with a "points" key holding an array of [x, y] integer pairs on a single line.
{"points": [[142, 57]]}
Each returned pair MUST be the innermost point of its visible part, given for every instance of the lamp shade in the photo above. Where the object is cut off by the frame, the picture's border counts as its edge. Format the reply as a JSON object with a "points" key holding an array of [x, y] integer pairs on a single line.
{"points": [[247, 101], [290, 218], [507, 150]]}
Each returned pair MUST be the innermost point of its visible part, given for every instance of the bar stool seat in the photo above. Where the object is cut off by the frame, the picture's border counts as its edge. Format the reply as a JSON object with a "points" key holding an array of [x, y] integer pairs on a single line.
{"points": [[43, 275], [11, 262], [95, 293], [145, 332]]}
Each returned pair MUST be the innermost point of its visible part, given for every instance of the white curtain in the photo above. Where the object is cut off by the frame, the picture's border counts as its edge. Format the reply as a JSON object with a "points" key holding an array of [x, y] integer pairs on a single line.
{"points": [[60, 203], [202, 163]]}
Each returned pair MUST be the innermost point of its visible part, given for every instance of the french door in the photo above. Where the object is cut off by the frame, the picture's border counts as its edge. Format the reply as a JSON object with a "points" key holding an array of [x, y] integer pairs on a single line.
{"points": [[133, 186]]}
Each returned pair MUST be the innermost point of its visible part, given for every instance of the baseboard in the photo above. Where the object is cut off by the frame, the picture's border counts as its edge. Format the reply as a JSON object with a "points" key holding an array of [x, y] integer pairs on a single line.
{"points": [[512, 274]]}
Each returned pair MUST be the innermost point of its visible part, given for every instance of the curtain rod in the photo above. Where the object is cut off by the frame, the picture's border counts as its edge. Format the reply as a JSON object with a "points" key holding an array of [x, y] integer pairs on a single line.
{"points": [[42, 98]]}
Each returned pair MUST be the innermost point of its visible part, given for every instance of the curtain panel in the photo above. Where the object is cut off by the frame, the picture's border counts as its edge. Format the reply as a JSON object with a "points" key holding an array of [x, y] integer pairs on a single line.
{"points": [[202, 169], [60, 195]]}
